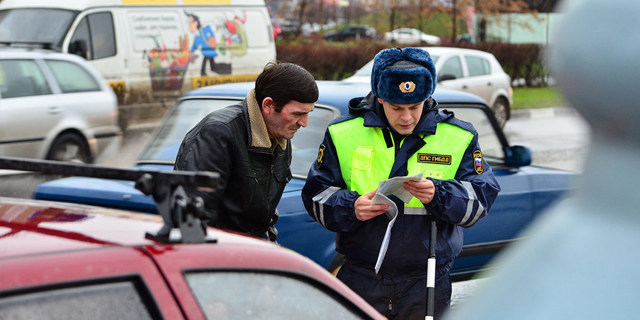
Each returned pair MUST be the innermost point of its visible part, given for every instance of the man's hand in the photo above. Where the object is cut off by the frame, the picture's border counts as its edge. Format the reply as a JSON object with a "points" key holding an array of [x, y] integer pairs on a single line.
{"points": [[423, 189], [365, 209]]}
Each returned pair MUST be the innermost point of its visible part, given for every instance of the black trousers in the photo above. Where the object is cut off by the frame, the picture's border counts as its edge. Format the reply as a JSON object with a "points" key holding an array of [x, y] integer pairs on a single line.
{"points": [[204, 65], [399, 299]]}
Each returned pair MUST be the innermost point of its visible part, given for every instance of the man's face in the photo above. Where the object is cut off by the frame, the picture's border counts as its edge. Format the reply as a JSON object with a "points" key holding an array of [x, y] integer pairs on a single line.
{"points": [[402, 117], [285, 124]]}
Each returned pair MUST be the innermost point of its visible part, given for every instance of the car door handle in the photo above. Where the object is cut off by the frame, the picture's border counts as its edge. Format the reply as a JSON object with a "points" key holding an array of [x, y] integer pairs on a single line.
{"points": [[489, 84], [54, 110], [464, 87]]}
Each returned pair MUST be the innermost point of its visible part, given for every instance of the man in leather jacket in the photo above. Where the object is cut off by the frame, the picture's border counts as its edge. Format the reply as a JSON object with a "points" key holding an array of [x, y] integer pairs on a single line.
{"points": [[249, 145]]}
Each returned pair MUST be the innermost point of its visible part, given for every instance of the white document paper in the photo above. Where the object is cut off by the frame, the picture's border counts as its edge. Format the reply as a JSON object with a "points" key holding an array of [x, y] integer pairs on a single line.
{"points": [[394, 187]]}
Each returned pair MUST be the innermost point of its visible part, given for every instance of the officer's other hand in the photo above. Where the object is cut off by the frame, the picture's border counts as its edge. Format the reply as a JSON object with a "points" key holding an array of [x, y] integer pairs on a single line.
{"points": [[365, 209], [424, 189]]}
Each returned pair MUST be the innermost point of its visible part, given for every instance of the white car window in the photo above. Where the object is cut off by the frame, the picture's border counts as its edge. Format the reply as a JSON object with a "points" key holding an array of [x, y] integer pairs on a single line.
{"points": [[453, 66], [72, 77], [477, 66], [26, 79], [488, 139]]}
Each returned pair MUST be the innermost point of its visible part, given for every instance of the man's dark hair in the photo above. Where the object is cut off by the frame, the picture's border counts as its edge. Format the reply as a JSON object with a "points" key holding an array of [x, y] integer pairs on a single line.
{"points": [[284, 82]]}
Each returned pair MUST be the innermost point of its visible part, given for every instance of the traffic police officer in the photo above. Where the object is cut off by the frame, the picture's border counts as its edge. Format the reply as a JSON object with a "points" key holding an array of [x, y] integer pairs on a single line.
{"points": [[398, 130]]}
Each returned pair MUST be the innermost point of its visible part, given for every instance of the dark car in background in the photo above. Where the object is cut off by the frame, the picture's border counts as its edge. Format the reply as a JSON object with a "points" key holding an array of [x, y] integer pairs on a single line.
{"points": [[526, 189], [351, 32]]}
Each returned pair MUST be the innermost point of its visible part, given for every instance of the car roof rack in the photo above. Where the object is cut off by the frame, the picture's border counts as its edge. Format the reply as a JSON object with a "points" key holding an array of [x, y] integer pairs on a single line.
{"points": [[178, 210], [30, 45]]}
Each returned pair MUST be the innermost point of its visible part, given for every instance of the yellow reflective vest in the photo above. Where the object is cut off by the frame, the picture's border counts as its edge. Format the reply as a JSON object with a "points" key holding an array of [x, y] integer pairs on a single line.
{"points": [[365, 159]]}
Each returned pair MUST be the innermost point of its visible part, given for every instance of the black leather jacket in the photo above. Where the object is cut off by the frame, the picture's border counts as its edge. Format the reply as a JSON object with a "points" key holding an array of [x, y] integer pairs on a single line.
{"points": [[234, 142]]}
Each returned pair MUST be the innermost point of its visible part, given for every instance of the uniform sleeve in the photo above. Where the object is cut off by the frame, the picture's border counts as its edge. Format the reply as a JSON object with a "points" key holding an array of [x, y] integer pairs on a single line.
{"points": [[325, 195], [466, 199], [196, 154]]}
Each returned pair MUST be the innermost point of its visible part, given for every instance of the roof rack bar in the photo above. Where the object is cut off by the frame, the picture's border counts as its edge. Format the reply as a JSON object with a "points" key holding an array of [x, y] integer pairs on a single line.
{"points": [[199, 179], [177, 208]]}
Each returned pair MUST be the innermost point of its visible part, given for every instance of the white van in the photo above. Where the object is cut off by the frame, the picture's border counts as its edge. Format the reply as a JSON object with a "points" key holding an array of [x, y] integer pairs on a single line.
{"points": [[149, 51]]}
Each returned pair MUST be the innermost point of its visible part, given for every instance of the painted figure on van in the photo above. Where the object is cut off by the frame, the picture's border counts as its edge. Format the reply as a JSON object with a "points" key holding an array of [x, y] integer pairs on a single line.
{"points": [[206, 40], [232, 29]]}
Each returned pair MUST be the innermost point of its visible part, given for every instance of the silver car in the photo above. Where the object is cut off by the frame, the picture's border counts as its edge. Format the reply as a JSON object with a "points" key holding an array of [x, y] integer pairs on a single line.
{"points": [[410, 36], [467, 70], [55, 106]]}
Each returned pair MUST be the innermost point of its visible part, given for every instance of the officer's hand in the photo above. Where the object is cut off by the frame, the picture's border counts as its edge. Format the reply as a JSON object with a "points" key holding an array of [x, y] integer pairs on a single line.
{"points": [[365, 209], [423, 189]]}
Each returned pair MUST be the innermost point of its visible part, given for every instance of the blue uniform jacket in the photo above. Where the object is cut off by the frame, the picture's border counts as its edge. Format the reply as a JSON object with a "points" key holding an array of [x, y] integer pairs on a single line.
{"points": [[407, 255]]}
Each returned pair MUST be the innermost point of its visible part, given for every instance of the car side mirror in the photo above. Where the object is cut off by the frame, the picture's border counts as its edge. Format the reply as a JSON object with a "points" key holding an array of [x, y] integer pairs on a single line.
{"points": [[446, 77], [517, 156], [79, 47]]}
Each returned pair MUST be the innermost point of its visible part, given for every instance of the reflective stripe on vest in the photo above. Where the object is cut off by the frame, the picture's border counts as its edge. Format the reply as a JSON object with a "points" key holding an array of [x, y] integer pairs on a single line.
{"points": [[365, 159]]}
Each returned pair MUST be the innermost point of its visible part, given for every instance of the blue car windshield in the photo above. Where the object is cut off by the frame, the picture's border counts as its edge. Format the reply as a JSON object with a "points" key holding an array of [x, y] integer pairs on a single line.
{"points": [[35, 25], [164, 146]]}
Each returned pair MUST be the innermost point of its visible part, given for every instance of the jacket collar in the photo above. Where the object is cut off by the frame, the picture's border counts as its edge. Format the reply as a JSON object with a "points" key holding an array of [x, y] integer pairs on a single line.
{"points": [[373, 114], [258, 128]]}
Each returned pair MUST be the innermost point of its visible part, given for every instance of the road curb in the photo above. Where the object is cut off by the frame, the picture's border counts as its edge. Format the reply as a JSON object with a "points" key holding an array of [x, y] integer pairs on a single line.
{"points": [[542, 113]]}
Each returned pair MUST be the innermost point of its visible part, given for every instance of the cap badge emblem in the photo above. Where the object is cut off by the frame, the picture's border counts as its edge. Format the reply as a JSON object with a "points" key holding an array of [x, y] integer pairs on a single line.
{"points": [[407, 87]]}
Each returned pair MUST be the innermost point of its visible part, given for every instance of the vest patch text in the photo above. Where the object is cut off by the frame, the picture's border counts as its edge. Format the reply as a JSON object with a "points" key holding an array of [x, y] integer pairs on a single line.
{"points": [[434, 158]]}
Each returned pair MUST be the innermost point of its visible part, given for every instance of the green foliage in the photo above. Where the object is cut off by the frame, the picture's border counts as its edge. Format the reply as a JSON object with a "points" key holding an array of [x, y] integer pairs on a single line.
{"points": [[338, 60], [330, 60], [527, 98], [435, 23]]}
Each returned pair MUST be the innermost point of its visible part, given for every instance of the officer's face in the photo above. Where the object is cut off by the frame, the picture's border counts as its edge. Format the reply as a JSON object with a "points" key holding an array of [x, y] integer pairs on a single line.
{"points": [[285, 124], [402, 117]]}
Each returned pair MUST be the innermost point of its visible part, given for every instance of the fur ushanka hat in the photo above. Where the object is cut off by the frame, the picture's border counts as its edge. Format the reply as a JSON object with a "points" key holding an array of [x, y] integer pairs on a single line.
{"points": [[403, 76]]}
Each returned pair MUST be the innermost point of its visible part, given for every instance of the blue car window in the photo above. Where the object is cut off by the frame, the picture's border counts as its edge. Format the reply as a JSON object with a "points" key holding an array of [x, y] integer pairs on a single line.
{"points": [[307, 140], [183, 117], [489, 141]]}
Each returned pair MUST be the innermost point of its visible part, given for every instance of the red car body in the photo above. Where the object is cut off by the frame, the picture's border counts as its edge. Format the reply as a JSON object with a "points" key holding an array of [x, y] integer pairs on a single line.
{"points": [[47, 245]]}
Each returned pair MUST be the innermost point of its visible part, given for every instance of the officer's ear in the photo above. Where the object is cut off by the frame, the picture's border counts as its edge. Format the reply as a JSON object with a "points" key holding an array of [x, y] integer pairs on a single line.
{"points": [[268, 106]]}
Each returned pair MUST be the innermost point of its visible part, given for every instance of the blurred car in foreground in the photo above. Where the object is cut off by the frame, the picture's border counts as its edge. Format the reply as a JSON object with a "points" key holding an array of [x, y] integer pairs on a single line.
{"points": [[466, 70], [408, 36], [70, 261], [351, 32], [55, 106], [526, 189]]}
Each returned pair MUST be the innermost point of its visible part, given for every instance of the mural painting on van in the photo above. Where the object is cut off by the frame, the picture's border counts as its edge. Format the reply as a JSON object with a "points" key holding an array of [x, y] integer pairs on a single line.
{"points": [[168, 52]]}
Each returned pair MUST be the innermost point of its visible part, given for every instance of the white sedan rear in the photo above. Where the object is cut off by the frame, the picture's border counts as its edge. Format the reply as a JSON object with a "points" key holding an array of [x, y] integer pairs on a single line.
{"points": [[410, 36]]}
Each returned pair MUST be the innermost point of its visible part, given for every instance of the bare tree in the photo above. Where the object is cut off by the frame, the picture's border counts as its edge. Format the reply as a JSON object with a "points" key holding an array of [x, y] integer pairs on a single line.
{"points": [[302, 8]]}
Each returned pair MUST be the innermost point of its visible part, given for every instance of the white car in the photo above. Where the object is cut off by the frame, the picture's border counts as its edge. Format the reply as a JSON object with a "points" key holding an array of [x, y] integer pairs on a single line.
{"points": [[410, 36], [467, 70], [55, 106]]}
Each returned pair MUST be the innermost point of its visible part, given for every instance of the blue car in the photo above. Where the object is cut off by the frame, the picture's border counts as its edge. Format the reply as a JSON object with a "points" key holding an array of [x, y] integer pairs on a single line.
{"points": [[526, 190]]}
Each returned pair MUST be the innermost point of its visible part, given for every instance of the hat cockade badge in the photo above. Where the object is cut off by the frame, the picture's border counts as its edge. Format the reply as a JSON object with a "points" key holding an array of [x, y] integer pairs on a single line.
{"points": [[407, 87]]}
